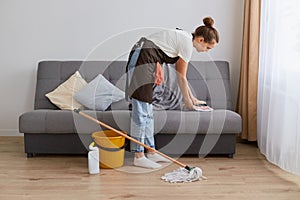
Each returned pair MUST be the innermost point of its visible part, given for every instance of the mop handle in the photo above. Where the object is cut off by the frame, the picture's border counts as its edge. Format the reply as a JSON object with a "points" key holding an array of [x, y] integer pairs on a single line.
{"points": [[128, 137]]}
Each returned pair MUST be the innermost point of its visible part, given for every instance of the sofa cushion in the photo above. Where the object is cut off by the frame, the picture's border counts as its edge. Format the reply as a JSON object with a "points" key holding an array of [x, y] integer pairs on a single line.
{"points": [[99, 94], [192, 122], [118, 119], [63, 121], [167, 122], [119, 105], [62, 96], [56, 122]]}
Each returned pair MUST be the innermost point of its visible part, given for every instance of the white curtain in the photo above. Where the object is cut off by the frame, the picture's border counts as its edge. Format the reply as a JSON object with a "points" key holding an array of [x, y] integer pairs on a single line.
{"points": [[279, 84]]}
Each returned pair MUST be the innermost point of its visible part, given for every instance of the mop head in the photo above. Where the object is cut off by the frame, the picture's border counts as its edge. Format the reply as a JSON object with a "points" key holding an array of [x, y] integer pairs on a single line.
{"points": [[183, 175]]}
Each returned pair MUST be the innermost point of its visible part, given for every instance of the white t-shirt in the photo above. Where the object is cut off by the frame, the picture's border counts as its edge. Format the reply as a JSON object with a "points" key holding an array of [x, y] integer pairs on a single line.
{"points": [[174, 43]]}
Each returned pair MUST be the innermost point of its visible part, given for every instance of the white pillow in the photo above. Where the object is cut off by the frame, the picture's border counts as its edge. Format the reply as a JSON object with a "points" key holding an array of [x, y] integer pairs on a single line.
{"points": [[62, 96], [99, 94]]}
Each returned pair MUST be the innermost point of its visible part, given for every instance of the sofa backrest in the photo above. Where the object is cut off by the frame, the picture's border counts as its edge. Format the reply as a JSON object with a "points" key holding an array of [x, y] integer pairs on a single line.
{"points": [[208, 80]]}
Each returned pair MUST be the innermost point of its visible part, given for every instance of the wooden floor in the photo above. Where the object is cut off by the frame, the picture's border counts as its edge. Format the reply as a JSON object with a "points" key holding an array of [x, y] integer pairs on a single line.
{"points": [[247, 176]]}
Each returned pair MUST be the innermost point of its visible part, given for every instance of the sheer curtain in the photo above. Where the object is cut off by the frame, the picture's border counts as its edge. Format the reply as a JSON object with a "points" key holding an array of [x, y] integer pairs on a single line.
{"points": [[278, 114]]}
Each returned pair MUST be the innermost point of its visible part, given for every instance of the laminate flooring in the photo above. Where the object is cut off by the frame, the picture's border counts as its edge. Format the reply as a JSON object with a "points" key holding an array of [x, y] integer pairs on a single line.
{"points": [[246, 176]]}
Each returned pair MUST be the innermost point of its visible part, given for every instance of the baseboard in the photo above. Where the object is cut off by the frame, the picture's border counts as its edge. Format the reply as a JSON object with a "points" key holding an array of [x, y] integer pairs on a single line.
{"points": [[10, 132]]}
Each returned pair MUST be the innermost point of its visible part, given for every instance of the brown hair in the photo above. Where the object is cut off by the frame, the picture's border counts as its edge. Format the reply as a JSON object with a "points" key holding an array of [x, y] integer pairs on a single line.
{"points": [[207, 31]]}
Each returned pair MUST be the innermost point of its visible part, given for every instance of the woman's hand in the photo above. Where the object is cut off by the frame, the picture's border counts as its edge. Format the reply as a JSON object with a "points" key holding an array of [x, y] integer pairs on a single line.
{"points": [[188, 104], [200, 105], [189, 100], [181, 69], [197, 101]]}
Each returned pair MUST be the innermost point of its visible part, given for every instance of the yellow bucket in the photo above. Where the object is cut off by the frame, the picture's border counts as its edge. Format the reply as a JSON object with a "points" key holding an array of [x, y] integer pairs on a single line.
{"points": [[111, 148]]}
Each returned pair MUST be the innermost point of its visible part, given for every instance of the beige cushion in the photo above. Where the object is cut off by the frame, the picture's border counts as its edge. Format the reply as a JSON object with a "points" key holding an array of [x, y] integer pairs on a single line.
{"points": [[62, 96]]}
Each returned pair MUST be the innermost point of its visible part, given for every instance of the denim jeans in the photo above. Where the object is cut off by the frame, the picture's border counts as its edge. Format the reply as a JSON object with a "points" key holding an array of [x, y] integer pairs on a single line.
{"points": [[132, 63], [142, 125]]}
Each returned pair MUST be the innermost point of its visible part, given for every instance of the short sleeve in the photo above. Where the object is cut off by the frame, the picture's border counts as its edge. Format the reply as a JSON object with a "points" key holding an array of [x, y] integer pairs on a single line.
{"points": [[185, 46]]}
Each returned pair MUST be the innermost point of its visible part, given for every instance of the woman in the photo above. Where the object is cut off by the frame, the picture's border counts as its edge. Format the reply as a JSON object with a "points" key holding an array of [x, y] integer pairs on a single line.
{"points": [[144, 72]]}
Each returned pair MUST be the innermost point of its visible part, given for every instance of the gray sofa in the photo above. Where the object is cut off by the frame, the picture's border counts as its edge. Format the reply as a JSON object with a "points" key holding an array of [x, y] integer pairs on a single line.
{"points": [[49, 130]]}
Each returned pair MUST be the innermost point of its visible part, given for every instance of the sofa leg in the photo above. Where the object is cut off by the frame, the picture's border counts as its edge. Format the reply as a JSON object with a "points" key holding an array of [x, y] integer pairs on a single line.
{"points": [[29, 155], [230, 155]]}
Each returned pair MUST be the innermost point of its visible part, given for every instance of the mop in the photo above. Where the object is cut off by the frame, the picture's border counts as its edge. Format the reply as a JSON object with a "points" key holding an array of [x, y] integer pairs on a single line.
{"points": [[184, 174]]}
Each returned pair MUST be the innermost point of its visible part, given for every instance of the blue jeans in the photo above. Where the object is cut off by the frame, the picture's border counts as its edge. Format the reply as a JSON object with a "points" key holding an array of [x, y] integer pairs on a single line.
{"points": [[142, 125], [132, 63]]}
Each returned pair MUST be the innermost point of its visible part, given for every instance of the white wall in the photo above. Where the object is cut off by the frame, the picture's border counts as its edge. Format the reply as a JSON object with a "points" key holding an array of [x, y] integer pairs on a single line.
{"points": [[35, 30]]}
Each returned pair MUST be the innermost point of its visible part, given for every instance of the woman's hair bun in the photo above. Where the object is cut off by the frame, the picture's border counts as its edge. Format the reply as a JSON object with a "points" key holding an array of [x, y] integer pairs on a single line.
{"points": [[208, 21]]}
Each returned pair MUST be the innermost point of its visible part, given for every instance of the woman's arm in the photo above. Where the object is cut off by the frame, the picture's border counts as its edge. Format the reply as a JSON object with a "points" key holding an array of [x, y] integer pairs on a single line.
{"points": [[181, 70], [194, 99]]}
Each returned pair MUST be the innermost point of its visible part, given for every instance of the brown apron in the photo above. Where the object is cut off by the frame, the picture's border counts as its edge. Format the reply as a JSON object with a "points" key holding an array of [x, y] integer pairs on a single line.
{"points": [[147, 71]]}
